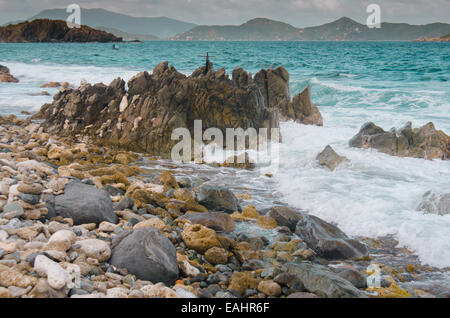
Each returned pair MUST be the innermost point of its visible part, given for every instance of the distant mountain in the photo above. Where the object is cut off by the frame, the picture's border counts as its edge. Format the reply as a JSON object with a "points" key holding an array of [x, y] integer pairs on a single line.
{"points": [[344, 29], [128, 36], [44, 30], [161, 27]]}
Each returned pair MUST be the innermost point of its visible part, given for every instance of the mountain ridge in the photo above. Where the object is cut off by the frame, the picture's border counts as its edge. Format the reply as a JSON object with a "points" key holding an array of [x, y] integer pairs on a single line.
{"points": [[342, 29]]}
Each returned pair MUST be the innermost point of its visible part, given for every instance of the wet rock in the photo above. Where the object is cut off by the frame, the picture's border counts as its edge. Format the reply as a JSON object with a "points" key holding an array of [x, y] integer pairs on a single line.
{"points": [[217, 199], [218, 221], [285, 216], [329, 158], [321, 281], [5, 76], [328, 240], [146, 253], [84, 204], [425, 142], [353, 276], [302, 110], [435, 203]]}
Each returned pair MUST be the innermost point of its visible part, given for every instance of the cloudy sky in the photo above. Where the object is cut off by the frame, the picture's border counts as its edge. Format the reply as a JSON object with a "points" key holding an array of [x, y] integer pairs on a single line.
{"points": [[299, 13]]}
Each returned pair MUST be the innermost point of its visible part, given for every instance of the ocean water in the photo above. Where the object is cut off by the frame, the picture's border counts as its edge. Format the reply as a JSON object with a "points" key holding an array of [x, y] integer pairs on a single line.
{"points": [[388, 83]]}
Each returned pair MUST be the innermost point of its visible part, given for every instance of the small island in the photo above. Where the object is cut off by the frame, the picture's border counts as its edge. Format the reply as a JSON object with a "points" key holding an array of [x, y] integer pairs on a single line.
{"points": [[44, 30]]}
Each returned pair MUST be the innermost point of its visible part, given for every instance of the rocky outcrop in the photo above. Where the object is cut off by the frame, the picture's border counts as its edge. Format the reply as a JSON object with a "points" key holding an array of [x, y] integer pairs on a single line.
{"points": [[327, 240], [143, 118], [435, 203], [148, 254], [425, 142], [5, 76], [43, 30], [329, 158], [302, 110]]}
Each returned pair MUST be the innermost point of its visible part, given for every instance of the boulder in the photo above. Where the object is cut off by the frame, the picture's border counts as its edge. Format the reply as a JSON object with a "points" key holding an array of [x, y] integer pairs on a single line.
{"points": [[146, 253], [217, 198], [435, 203], [5, 76], [218, 221], [329, 158], [353, 276], [320, 280], [328, 240], [84, 204], [285, 216], [425, 142]]}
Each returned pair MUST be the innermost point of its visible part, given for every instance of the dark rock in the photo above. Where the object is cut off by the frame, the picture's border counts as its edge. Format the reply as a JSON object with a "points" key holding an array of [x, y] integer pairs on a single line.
{"points": [[286, 216], [425, 142], [84, 204], [328, 240], [329, 158], [353, 276], [435, 203], [302, 110], [217, 199], [146, 253], [218, 221], [30, 198], [6, 77], [320, 280], [113, 191]]}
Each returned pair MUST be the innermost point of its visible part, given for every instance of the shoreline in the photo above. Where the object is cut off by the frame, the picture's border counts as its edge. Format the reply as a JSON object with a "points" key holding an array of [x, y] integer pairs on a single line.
{"points": [[34, 236]]}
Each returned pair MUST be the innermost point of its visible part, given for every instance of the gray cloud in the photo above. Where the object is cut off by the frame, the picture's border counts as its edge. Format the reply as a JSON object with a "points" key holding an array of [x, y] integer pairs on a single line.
{"points": [[296, 12]]}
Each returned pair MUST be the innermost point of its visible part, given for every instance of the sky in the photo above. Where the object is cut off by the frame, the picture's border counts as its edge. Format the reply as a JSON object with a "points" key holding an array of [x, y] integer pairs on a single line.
{"points": [[300, 13]]}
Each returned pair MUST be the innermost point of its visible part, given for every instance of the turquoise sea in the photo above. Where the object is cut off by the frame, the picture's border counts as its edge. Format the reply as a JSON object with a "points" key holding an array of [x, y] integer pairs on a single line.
{"points": [[388, 83]]}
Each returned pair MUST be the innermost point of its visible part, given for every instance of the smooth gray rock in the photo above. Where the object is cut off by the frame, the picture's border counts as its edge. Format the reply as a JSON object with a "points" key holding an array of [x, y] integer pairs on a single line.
{"points": [[353, 276], [217, 198], [84, 204], [146, 253], [218, 221], [320, 280], [327, 240]]}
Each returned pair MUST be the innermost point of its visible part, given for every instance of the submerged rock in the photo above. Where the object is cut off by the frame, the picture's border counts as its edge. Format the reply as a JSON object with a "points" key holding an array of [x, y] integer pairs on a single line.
{"points": [[435, 203], [328, 240], [148, 254], [84, 204], [425, 142], [329, 158], [320, 280]]}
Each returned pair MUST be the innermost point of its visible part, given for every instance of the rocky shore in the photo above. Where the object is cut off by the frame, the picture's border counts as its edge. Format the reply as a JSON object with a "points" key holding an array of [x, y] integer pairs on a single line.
{"points": [[5, 75], [72, 207]]}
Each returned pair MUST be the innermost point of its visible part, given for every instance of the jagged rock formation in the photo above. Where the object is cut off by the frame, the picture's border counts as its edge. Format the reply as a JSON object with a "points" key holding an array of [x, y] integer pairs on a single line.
{"points": [[329, 158], [44, 30], [143, 118], [425, 142], [5, 76]]}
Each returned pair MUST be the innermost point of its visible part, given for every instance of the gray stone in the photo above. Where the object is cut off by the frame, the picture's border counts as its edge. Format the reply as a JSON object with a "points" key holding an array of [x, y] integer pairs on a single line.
{"points": [[146, 253], [327, 240], [85, 204], [217, 199], [13, 207], [353, 276], [30, 198], [125, 203], [218, 221], [320, 280]]}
